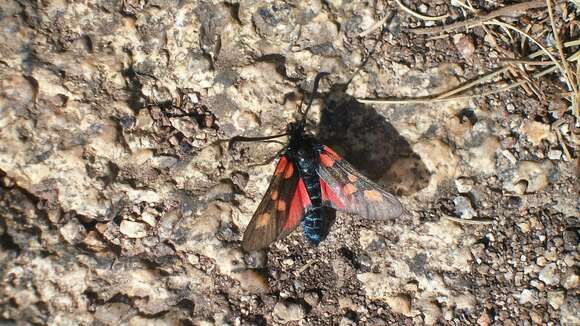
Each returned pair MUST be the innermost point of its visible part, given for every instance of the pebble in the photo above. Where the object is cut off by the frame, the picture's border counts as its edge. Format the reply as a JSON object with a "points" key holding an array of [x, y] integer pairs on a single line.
{"points": [[312, 298], [93, 242], [253, 281], [132, 229], [111, 313], [432, 313], [400, 304], [537, 132], [571, 279], [345, 303], [570, 311], [464, 185], [7, 182], [73, 232], [484, 319], [538, 285], [510, 157], [464, 44], [148, 216], [571, 240], [550, 274], [345, 321], [463, 208], [535, 176], [524, 227], [287, 311], [555, 154], [556, 299], [536, 317], [527, 296]]}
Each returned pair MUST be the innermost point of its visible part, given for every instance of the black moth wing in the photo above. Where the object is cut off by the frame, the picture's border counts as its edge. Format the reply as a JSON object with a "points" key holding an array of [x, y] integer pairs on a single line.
{"points": [[346, 189], [269, 222]]}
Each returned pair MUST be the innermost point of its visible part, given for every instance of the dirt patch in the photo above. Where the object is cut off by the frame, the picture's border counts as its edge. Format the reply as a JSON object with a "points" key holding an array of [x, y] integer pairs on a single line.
{"points": [[121, 203]]}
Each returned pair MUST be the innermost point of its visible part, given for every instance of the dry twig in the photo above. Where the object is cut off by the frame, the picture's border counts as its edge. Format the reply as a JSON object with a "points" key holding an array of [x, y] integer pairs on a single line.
{"points": [[418, 15], [513, 10], [466, 221]]}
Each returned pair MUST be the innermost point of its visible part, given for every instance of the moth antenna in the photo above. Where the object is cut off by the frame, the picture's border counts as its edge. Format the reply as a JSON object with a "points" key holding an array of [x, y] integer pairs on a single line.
{"points": [[237, 139], [314, 89]]}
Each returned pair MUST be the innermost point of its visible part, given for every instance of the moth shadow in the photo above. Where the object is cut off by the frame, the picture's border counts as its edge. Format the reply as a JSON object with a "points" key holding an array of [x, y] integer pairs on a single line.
{"points": [[365, 139]]}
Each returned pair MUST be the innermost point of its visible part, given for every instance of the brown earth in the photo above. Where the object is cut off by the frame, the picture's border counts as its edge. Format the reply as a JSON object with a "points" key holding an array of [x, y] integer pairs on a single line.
{"points": [[120, 202]]}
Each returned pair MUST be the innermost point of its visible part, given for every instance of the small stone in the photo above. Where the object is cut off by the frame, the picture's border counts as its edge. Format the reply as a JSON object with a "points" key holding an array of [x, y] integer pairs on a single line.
{"points": [[463, 208], [533, 176], [527, 296], [400, 304], [490, 39], [550, 274], [133, 229], [571, 279], [8, 182], [508, 142], [312, 298], [537, 132], [537, 284], [253, 281], [148, 216], [510, 157], [368, 237], [73, 232], [555, 154], [345, 321], [93, 242], [112, 313], [345, 303], [432, 313], [288, 311], [570, 240], [556, 299], [464, 45], [484, 319], [541, 261], [524, 227], [570, 311], [256, 259], [536, 317], [364, 261], [551, 254], [464, 185]]}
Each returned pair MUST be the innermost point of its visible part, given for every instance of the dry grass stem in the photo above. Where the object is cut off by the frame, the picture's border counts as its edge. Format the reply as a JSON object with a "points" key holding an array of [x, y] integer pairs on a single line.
{"points": [[555, 31], [418, 15], [374, 26], [465, 221], [461, 97], [513, 10]]}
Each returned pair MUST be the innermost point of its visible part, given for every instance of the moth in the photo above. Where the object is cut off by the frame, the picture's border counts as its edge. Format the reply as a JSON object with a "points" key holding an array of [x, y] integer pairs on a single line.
{"points": [[309, 179]]}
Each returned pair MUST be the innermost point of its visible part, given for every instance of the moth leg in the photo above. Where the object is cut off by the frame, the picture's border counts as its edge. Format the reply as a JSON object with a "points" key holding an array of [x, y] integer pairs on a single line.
{"points": [[270, 160]]}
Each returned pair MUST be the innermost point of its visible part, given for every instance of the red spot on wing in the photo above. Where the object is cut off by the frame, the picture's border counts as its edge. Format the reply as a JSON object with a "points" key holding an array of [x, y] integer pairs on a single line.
{"points": [[289, 171], [300, 200], [328, 157], [330, 152], [282, 164], [329, 195]]}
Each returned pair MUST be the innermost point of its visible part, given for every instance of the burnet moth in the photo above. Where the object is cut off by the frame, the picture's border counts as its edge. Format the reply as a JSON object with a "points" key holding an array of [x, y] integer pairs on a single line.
{"points": [[310, 178]]}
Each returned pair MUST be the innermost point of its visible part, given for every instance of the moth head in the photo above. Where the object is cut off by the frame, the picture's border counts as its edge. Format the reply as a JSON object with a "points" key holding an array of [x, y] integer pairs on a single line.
{"points": [[294, 128]]}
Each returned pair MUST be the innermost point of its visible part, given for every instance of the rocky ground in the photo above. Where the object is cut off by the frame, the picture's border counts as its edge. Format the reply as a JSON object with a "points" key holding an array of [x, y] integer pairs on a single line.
{"points": [[120, 202]]}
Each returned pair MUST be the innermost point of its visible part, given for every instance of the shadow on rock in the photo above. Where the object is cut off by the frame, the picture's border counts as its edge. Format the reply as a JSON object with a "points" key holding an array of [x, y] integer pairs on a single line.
{"points": [[370, 143]]}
